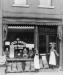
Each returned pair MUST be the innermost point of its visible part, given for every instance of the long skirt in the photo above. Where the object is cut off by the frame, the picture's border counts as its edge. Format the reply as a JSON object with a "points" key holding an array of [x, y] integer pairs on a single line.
{"points": [[52, 59], [36, 62]]}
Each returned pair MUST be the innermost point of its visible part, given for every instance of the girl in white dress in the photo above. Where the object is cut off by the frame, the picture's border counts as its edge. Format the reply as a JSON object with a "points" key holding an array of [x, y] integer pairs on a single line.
{"points": [[36, 62], [53, 54]]}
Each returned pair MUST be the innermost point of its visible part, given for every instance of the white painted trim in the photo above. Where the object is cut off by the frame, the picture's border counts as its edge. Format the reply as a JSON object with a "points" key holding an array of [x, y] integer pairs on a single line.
{"points": [[41, 6], [18, 5], [20, 27]]}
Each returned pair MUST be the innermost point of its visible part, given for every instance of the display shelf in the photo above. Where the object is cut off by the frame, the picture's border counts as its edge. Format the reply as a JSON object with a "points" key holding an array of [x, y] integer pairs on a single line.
{"points": [[18, 59]]}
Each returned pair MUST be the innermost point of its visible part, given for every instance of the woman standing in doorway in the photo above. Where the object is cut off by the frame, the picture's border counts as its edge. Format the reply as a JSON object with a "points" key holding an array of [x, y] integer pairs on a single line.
{"points": [[53, 54]]}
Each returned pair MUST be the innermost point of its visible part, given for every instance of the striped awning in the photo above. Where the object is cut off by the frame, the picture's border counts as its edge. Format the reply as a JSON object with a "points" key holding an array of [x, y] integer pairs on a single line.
{"points": [[20, 27]]}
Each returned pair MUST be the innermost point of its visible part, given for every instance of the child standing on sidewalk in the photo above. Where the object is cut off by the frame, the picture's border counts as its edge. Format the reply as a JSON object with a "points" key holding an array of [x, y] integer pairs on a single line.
{"points": [[36, 62]]}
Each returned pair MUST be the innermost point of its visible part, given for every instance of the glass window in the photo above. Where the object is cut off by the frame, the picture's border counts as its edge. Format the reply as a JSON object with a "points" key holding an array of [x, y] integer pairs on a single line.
{"points": [[20, 3], [45, 3]]}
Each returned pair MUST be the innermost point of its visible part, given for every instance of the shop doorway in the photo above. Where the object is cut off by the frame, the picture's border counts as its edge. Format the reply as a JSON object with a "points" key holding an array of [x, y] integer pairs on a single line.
{"points": [[47, 34]]}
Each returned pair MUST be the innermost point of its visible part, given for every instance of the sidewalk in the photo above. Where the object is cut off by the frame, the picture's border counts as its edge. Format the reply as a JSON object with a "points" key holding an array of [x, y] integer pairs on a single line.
{"points": [[37, 73], [42, 72]]}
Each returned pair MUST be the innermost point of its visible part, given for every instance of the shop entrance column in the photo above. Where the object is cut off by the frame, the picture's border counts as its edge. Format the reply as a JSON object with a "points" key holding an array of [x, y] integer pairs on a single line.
{"points": [[36, 38]]}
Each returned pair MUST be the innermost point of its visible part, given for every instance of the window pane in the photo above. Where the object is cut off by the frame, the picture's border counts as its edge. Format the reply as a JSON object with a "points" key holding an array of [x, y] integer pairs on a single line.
{"points": [[45, 2], [42, 44], [21, 2]]}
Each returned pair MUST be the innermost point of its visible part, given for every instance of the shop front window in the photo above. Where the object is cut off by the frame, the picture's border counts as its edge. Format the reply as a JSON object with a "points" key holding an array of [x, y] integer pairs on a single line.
{"points": [[20, 39], [19, 48]]}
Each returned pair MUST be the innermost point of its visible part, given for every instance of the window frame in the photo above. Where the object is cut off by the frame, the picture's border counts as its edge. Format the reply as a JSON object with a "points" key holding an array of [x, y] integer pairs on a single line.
{"points": [[43, 6]]}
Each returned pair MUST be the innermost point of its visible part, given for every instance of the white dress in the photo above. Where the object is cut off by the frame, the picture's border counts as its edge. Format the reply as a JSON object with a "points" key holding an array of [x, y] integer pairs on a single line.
{"points": [[36, 62], [52, 59]]}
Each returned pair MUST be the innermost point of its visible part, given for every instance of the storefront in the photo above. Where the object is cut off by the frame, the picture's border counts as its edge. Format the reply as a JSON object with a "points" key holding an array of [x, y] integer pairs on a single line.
{"points": [[22, 41]]}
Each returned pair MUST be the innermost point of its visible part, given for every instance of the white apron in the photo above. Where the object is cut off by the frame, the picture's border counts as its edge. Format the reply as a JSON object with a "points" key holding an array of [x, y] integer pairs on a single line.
{"points": [[52, 59], [36, 62]]}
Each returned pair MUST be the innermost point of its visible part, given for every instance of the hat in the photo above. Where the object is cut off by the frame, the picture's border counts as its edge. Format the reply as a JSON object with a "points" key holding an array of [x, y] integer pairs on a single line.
{"points": [[52, 43]]}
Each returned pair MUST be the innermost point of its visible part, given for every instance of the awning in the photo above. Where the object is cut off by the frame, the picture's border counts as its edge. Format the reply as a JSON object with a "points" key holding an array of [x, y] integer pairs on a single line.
{"points": [[32, 21], [20, 27]]}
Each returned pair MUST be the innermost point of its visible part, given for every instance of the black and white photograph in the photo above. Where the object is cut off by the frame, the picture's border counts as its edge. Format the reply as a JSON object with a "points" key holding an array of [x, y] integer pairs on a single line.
{"points": [[31, 37]]}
